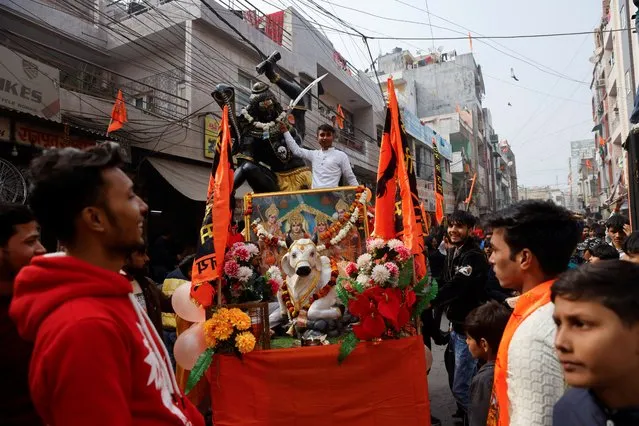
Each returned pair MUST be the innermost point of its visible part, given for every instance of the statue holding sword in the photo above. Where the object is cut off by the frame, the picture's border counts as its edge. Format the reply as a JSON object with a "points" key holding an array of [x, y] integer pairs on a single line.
{"points": [[263, 158]]}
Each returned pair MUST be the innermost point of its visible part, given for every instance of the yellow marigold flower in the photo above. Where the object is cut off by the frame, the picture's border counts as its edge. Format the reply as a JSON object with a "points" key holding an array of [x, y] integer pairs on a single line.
{"points": [[245, 342], [209, 337], [239, 319]]}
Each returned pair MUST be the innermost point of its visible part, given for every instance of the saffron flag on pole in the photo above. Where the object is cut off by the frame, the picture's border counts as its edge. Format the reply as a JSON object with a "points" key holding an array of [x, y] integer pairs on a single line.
{"points": [[339, 117], [439, 184], [397, 167], [209, 259], [118, 114]]}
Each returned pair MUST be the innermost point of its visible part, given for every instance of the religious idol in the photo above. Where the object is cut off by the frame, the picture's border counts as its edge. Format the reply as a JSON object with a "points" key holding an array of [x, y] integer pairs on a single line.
{"points": [[297, 231], [263, 159]]}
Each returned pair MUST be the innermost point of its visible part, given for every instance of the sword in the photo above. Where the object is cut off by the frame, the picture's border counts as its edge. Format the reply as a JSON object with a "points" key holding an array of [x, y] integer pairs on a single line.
{"points": [[305, 91]]}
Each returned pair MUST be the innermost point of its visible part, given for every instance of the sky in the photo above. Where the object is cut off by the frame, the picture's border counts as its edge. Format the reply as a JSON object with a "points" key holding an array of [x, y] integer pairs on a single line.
{"points": [[547, 111]]}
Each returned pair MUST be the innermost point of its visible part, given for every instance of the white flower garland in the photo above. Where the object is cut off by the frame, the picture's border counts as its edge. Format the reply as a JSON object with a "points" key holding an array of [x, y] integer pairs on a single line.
{"points": [[261, 125], [262, 234], [347, 226]]}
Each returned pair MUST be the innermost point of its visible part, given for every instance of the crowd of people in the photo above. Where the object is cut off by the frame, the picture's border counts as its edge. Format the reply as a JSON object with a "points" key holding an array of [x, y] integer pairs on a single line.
{"points": [[534, 303], [538, 301]]}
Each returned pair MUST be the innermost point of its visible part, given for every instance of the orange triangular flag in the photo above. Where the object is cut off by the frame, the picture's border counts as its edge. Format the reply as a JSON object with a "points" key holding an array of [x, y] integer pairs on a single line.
{"points": [[118, 114], [209, 258], [602, 141], [339, 118]]}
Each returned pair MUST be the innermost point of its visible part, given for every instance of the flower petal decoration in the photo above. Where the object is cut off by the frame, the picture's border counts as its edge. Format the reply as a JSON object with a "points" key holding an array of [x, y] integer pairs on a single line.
{"points": [[370, 327], [388, 305]]}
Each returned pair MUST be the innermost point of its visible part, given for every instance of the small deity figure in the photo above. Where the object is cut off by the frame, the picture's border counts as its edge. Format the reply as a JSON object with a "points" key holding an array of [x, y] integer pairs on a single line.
{"points": [[321, 226], [297, 231], [271, 254]]}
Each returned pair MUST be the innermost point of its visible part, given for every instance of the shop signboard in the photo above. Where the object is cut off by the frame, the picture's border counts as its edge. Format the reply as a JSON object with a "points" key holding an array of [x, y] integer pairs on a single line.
{"points": [[44, 138], [211, 135], [27, 85]]}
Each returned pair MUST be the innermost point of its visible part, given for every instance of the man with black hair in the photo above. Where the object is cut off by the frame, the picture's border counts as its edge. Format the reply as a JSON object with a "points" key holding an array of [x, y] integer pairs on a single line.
{"points": [[19, 243], [616, 227], [597, 343], [532, 244], [146, 291], [328, 165], [462, 290], [631, 247], [600, 252], [97, 358]]}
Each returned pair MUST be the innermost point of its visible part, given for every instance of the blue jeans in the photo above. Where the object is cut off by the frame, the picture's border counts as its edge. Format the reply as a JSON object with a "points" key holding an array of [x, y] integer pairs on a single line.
{"points": [[634, 117], [170, 336], [465, 367]]}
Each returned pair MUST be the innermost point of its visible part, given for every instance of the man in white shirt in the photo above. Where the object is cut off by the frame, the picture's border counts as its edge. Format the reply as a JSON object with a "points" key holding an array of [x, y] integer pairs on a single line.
{"points": [[532, 243], [329, 165]]}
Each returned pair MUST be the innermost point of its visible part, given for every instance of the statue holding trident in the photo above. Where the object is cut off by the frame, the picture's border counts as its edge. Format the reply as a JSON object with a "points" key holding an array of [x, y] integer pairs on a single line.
{"points": [[263, 158]]}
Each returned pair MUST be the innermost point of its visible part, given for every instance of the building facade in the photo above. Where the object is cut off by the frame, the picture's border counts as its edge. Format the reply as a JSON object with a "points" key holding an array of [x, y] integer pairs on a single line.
{"points": [[445, 90], [166, 57]]}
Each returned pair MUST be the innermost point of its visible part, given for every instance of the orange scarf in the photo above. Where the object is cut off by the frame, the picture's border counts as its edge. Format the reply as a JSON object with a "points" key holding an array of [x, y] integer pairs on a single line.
{"points": [[529, 302]]}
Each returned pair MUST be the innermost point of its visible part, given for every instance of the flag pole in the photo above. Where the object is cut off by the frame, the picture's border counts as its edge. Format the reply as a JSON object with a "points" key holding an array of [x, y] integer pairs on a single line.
{"points": [[109, 126]]}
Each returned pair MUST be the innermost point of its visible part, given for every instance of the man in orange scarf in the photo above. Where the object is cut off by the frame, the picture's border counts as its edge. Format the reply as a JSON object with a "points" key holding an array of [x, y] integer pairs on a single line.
{"points": [[532, 244]]}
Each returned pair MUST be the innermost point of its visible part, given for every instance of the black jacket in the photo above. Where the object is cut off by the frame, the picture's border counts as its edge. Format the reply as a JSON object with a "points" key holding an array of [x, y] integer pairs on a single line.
{"points": [[463, 283], [579, 407]]}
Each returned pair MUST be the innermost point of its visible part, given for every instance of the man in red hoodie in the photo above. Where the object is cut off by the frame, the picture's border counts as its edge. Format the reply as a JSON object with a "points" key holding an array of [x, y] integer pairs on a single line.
{"points": [[19, 242], [97, 359]]}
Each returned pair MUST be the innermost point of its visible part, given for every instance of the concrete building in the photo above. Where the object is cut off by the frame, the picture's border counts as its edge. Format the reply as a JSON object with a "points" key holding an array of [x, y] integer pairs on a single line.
{"points": [[584, 189], [446, 91], [614, 80], [543, 193], [166, 57]]}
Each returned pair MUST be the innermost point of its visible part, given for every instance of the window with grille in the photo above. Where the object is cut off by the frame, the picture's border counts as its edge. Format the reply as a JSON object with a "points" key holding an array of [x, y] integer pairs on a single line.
{"points": [[243, 89]]}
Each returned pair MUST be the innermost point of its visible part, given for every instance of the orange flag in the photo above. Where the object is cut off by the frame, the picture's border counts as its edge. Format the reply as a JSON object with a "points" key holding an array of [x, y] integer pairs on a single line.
{"points": [[396, 165], [209, 260], [339, 118], [472, 186], [118, 114], [602, 141], [470, 40]]}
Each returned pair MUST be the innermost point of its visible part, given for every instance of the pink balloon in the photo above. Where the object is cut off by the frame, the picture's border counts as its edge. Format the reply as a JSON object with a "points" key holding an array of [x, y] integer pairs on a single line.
{"points": [[189, 346], [184, 306]]}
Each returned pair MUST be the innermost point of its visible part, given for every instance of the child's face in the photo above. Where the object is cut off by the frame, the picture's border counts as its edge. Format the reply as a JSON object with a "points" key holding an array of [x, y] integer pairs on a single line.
{"points": [[595, 348], [478, 349]]}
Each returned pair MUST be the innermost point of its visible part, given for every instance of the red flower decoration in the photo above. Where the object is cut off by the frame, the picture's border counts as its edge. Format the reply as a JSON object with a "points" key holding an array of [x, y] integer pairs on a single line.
{"points": [[351, 269]]}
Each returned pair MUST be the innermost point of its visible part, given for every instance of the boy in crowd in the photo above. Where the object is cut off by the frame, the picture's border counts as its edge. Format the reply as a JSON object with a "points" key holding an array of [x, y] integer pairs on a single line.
{"points": [[617, 227], [597, 317], [19, 243], [631, 247], [462, 289], [600, 252], [97, 358], [532, 244], [484, 328]]}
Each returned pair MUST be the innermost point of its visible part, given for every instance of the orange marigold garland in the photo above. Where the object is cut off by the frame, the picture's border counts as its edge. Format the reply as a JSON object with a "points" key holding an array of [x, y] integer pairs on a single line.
{"points": [[337, 226]]}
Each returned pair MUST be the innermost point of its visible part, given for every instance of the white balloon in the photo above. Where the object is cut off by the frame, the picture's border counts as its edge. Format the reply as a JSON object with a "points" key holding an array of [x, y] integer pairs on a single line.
{"points": [[184, 306], [189, 346]]}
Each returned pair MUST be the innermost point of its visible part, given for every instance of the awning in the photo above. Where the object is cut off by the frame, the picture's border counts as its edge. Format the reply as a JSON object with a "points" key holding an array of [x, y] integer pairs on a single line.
{"points": [[190, 180]]}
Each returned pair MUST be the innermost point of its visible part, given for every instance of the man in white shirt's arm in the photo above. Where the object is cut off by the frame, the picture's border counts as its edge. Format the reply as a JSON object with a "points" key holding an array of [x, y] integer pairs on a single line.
{"points": [[329, 165]]}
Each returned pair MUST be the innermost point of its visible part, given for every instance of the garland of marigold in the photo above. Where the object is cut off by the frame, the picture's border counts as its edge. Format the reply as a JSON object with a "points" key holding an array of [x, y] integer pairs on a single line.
{"points": [[334, 229], [290, 306]]}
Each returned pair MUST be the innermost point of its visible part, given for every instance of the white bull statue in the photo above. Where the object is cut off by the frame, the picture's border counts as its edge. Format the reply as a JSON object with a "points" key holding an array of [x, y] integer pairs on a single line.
{"points": [[306, 274]]}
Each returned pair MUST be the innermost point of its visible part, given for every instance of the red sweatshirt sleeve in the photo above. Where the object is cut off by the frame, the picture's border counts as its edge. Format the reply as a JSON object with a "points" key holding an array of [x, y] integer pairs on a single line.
{"points": [[88, 375]]}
